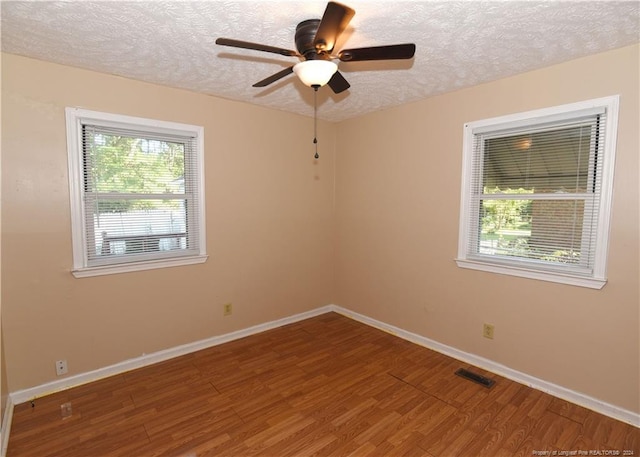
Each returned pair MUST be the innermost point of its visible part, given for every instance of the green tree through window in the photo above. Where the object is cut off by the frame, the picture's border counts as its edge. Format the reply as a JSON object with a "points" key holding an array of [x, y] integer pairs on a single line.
{"points": [[126, 164]]}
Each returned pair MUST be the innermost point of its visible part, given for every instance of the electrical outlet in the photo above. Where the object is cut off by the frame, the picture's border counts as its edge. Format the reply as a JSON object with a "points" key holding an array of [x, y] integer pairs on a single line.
{"points": [[61, 367], [487, 331], [227, 309]]}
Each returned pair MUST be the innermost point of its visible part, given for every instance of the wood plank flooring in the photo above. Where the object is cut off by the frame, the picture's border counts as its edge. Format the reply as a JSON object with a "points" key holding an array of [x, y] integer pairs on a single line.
{"points": [[327, 386]]}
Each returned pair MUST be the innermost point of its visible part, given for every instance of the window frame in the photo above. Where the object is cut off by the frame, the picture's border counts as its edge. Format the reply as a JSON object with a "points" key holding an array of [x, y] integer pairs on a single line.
{"points": [[76, 118], [469, 217]]}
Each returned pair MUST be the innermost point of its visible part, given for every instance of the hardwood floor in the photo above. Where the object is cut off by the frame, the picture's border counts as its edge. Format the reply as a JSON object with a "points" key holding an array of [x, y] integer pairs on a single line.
{"points": [[327, 386]]}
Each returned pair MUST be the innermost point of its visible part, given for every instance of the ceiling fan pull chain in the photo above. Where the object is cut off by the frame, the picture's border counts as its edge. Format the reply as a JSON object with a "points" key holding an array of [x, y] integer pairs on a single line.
{"points": [[315, 120]]}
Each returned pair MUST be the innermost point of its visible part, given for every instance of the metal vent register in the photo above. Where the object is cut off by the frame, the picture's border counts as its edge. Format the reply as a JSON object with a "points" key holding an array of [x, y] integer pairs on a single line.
{"points": [[474, 377]]}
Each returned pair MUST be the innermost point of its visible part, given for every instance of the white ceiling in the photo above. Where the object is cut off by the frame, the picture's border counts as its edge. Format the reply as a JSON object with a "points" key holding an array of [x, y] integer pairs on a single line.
{"points": [[459, 44]]}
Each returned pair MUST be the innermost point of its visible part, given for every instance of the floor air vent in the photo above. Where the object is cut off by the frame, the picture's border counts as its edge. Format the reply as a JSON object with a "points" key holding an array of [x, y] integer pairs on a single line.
{"points": [[483, 381]]}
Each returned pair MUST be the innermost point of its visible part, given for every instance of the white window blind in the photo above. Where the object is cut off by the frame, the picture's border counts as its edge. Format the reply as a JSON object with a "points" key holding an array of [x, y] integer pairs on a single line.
{"points": [[138, 193], [534, 199]]}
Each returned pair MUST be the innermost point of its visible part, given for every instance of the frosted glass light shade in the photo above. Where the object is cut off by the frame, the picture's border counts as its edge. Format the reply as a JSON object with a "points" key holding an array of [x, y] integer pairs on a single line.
{"points": [[315, 72]]}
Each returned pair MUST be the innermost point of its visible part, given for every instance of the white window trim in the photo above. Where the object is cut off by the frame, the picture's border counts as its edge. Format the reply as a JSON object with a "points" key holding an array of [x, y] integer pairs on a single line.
{"points": [[75, 118], [599, 277]]}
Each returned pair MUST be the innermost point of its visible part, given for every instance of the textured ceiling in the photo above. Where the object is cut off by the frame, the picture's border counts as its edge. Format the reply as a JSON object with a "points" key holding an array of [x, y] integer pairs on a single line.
{"points": [[459, 44]]}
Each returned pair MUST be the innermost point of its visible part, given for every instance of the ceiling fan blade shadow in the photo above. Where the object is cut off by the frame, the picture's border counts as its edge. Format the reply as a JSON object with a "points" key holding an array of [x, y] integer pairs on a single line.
{"points": [[338, 83], [255, 47], [334, 21], [391, 52], [273, 78]]}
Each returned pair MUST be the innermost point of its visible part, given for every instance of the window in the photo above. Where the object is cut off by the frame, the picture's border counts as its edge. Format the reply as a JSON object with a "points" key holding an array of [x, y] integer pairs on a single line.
{"points": [[537, 191], [137, 193]]}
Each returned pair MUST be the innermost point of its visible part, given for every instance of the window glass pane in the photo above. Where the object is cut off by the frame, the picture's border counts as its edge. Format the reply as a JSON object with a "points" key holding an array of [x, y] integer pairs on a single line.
{"points": [[129, 226], [552, 161], [127, 164], [542, 230]]}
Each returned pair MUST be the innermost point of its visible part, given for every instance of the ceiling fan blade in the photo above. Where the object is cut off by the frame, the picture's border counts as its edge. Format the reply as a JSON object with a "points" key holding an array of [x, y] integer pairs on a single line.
{"points": [[391, 52], [338, 83], [334, 21], [274, 78], [255, 46]]}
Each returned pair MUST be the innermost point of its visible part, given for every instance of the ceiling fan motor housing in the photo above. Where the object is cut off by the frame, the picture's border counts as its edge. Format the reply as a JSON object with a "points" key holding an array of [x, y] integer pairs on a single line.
{"points": [[305, 40]]}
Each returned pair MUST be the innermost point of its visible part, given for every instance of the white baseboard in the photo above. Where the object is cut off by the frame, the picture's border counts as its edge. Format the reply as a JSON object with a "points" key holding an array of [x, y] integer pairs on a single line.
{"points": [[32, 393], [569, 395], [6, 427]]}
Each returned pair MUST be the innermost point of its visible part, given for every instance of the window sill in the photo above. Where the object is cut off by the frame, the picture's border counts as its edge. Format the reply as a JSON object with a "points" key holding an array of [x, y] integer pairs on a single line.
{"points": [[137, 266], [580, 281]]}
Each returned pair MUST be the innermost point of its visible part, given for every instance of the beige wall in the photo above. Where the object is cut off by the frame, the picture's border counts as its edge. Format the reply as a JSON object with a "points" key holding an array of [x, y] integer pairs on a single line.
{"points": [[269, 218], [276, 242], [398, 200]]}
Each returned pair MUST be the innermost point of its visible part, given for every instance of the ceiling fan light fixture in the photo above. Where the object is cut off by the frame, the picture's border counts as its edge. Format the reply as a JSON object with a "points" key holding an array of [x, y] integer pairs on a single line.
{"points": [[315, 72]]}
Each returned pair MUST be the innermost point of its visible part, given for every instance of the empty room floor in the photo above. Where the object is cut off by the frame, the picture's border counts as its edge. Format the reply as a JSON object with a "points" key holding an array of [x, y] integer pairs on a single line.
{"points": [[325, 386]]}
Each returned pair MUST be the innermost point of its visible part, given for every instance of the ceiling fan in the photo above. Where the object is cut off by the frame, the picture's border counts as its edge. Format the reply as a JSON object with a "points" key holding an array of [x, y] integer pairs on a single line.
{"points": [[315, 40]]}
